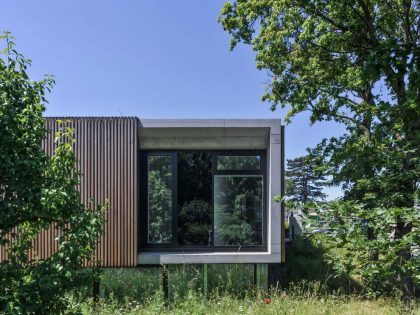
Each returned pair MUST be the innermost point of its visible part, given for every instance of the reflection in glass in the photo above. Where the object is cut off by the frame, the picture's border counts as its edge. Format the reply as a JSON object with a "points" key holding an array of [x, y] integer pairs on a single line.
{"points": [[230, 162], [238, 208], [194, 198], [159, 199]]}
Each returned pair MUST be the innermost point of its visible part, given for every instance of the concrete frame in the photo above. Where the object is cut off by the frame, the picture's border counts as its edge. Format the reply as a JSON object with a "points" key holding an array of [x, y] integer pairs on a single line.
{"points": [[222, 134]]}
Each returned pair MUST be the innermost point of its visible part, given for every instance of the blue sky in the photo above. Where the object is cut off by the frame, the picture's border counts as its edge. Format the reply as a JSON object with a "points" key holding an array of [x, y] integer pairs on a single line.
{"points": [[151, 59]]}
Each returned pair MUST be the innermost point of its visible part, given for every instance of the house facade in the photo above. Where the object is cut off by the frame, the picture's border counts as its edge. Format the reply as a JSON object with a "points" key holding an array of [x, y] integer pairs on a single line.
{"points": [[180, 191]]}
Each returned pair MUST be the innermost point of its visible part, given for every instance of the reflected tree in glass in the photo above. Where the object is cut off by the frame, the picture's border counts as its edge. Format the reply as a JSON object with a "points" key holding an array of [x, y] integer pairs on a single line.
{"points": [[159, 199], [195, 223], [238, 208], [231, 162], [194, 197]]}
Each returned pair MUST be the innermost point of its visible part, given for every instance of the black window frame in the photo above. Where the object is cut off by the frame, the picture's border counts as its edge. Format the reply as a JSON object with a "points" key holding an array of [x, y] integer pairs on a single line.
{"points": [[143, 245]]}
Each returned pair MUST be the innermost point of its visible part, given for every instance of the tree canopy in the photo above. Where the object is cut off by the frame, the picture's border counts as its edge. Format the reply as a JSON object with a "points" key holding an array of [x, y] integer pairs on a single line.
{"points": [[355, 63]]}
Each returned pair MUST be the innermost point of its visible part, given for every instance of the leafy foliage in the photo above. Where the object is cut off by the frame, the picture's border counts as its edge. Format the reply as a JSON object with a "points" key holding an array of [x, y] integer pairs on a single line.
{"points": [[350, 250], [313, 259], [38, 192], [303, 184], [355, 63]]}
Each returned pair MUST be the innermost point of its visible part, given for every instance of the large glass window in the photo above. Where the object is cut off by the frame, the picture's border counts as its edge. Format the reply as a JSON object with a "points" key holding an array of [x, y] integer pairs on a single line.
{"points": [[204, 200]]}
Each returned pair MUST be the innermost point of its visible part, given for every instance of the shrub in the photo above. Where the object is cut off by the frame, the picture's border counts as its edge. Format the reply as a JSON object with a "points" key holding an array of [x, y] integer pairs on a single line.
{"points": [[38, 192]]}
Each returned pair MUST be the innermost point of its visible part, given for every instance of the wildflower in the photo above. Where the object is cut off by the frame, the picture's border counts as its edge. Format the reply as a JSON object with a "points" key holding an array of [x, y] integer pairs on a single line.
{"points": [[267, 301]]}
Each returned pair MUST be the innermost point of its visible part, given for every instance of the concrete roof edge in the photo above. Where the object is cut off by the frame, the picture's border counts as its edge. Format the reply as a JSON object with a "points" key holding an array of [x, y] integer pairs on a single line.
{"points": [[274, 124]]}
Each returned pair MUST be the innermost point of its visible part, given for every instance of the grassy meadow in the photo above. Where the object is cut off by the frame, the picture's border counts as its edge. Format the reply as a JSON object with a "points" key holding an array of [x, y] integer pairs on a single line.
{"points": [[231, 291]]}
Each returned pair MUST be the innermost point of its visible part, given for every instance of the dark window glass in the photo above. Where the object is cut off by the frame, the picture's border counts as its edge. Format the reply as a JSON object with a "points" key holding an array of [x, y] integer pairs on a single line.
{"points": [[230, 162], [159, 199], [204, 199], [194, 198], [238, 210]]}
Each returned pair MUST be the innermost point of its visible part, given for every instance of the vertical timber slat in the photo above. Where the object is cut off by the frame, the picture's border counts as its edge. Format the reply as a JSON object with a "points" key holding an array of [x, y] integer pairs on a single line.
{"points": [[106, 149]]}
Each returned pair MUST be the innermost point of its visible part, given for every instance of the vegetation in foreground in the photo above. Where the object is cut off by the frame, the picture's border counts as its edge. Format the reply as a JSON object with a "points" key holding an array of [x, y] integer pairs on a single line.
{"points": [[280, 304], [38, 192], [131, 291]]}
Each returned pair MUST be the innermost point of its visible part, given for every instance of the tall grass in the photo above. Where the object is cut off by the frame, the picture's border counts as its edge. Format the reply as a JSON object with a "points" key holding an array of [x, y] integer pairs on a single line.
{"points": [[142, 284], [313, 288], [139, 291], [306, 299], [284, 305], [232, 279], [133, 283]]}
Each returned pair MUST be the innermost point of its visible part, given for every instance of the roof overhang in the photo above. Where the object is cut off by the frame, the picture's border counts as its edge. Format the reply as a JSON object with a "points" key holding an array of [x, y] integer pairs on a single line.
{"points": [[194, 134]]}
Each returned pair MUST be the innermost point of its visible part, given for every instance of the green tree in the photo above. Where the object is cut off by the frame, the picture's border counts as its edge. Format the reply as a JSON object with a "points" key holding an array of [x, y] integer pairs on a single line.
{"points": [[38, 192], [355, 63], [303, 184]]}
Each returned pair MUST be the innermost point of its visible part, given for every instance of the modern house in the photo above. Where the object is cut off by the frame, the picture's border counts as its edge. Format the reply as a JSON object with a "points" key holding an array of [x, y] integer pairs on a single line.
{"points": [[180, 191]]}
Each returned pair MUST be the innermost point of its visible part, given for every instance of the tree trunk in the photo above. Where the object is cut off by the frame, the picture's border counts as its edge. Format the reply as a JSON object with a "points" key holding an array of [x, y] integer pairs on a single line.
{"points": [[402, 229], [405, 280]]}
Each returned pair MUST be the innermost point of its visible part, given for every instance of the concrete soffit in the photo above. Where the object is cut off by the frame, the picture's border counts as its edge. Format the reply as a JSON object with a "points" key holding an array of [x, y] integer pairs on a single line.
{"points": [[207, 133]]}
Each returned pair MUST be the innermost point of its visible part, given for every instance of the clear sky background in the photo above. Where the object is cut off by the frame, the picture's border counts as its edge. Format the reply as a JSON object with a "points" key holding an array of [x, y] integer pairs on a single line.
{"points": [[151, 59]]}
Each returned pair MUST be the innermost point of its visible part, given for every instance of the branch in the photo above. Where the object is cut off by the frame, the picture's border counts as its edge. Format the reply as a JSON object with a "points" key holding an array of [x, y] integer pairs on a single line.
{"points": [[368, 21], [339, 26], [344, 98], [337, 115], [407, 34], [342, 116]]}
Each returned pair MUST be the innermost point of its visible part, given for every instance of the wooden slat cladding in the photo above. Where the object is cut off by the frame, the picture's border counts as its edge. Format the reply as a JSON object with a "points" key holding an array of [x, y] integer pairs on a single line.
{"points": [[106, 149]]}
